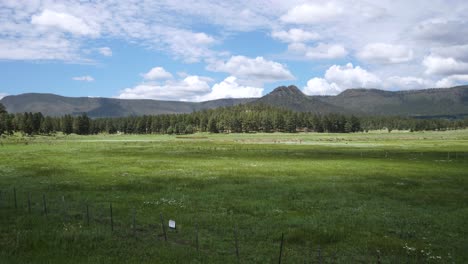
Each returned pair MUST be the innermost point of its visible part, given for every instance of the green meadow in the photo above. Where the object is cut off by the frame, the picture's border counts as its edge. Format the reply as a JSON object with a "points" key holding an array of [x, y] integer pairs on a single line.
{"points": [[396, 197]]}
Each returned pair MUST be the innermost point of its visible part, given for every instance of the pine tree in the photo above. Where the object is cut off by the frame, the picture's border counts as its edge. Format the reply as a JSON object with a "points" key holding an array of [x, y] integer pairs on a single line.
{"points": [[212, 128], [27, 124], [3, 109], [82, 125], [67, 124], [47, 126], [291, 122]]}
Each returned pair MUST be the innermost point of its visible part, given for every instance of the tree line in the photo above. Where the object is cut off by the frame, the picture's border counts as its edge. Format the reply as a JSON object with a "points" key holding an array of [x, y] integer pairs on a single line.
{"points": [[234, 119]]}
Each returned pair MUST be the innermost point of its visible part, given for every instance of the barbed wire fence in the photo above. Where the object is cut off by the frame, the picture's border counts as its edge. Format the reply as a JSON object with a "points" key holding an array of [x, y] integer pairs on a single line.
{"points": [[109, 219]]}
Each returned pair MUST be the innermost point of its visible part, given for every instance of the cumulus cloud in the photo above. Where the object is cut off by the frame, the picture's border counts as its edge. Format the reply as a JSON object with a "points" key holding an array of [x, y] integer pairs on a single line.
{"points": [[385, 53], [325, 51], [157, 73], [230, 88], [443, 30], [338, 78], [444, 66], [189, 88], [65, 22], [105, 51], [85, 78], [454, 80], [321, 51], [320, 86], [50, 47], [25, 23], [187, 45], [295, 35], [458, 52], [186, 89], [348, 76], [256, 69], [407, 83], [309, 13]]}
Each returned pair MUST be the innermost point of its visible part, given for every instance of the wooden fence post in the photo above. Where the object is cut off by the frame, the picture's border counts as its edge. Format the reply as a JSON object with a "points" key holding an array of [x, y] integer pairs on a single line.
{"points": [[281, 248], [14, 196], [87, 214], [134, 223], [44, 204], [196, 236], [111, 218], [163, 227], [237, 244], [64, 209], [319, 255], [29, 203]]}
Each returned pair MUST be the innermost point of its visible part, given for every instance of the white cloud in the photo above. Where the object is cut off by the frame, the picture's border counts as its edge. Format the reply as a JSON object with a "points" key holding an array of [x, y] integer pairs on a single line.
{"points": [[65, 22], [326, 51], [349, 76], [106, 51], [50, 47], [187, 45], [444, 66], [321, 51], [157, 73], [190, 88], [309, 13], [3, 95], [149, 24], [454, 80], [458, 52], [320, 86], [385, 53], [295, 35], [407, 83], [85, 78], [257, 70], [180, 90], [229, 88], [443, 30], [339, 78]]}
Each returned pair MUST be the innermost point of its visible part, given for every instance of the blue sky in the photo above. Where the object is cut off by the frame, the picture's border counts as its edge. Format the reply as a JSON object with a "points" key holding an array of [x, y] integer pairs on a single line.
{"points": [[203, 50]]}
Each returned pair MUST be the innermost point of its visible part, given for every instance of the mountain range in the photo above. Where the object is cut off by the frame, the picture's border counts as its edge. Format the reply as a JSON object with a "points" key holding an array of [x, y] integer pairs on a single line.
{"points": [[443, 102]]}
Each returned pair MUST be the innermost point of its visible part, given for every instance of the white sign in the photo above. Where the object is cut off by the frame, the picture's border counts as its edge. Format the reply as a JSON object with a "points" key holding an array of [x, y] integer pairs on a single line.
{"points": [[172, 224]]}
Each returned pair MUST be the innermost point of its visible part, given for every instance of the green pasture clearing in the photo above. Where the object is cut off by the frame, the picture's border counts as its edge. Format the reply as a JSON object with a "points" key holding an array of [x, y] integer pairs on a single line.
{"points": [[400, 195]]}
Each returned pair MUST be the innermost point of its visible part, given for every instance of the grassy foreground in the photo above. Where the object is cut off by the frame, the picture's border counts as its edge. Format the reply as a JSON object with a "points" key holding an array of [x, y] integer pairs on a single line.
{"points": [[336, 197]]}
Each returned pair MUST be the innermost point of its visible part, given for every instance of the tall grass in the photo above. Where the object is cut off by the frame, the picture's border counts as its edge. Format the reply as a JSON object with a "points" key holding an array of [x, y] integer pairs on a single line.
{"points": [[398, 195]]}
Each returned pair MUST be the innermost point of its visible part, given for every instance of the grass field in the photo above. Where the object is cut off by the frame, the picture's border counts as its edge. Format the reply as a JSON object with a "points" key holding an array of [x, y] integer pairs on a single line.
{"points": [[336, 197]]}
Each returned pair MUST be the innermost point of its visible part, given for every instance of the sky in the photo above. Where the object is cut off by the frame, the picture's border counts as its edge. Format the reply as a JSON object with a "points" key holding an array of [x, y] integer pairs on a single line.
{"points": [[204, 49]]}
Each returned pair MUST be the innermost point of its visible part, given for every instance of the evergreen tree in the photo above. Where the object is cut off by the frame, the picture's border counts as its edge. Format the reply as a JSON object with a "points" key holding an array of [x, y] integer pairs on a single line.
{"points": [[47, 126], [27, 124], [36, 119], [267, 123], [188, 129], [291, 122], [110, 127], [279, 122], [82, 125], [67, 124], [3, 109], [212, 126]]}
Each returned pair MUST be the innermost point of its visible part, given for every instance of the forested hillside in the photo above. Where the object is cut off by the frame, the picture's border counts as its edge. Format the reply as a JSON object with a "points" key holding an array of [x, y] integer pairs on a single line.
{"points": [[449, 102], [235, 119]]}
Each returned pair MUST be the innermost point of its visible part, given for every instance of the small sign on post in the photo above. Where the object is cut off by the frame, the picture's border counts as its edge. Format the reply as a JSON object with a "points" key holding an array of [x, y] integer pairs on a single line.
{"points": [[172, 224]]}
